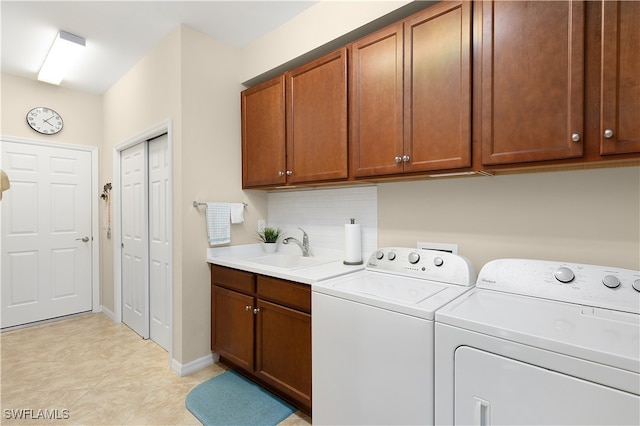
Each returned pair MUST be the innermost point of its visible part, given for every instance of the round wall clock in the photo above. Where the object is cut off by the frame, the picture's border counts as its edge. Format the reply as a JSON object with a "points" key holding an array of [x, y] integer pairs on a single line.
{"points": [[45, 120]]}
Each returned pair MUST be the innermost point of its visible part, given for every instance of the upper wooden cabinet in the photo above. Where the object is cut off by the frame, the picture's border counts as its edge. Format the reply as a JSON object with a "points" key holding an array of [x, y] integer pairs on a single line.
{"points": [[317, 120], [532, 81], [263, 134], [294, 127], [620, 103], [437, 75], [410, 94]]}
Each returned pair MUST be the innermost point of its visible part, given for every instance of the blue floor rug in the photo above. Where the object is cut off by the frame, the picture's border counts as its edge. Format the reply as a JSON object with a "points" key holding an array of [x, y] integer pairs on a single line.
{"points": [[230, 399]]}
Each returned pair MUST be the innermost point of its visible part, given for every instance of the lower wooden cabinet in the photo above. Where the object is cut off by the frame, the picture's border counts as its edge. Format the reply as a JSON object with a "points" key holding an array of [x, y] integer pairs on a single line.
{"points": [[262, 326]]}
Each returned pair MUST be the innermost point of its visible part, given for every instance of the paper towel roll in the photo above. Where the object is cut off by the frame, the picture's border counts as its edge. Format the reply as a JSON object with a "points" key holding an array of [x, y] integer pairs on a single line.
{"points": [[352, 244]]}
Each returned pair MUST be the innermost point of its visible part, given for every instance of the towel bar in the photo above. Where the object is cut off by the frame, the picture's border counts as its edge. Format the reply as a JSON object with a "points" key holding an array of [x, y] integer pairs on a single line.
{"points": [[197, 204]]}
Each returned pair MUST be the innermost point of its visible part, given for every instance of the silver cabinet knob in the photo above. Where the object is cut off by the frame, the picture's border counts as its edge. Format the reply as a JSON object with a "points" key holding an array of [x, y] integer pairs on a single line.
{"points": [[83, 239], [608, 133], [575, 137], [405, 158], [247, 308], [398, 159], [256, 310], [280, 173], [289, 172]]}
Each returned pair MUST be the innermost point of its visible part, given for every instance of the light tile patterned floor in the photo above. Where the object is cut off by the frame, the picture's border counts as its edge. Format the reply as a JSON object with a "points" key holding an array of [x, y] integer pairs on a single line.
{"points": [[88, 370]]}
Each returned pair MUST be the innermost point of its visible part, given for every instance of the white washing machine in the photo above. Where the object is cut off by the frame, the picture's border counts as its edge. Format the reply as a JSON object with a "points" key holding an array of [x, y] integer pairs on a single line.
{"points": [[541, 342], [373, 334]]}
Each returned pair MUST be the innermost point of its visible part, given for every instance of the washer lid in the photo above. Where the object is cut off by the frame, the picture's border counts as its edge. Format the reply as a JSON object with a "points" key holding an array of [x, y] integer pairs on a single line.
{"points": [[411, 296], [599, 335]]}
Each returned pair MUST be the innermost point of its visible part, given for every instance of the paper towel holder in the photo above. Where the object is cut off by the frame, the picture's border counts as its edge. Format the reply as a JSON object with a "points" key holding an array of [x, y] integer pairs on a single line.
{"points": [[352, 221]]}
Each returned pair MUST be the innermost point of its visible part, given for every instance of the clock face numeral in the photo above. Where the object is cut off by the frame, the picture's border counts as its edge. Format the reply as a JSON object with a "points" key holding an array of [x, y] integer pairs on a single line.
{"points": [[44, 120]]}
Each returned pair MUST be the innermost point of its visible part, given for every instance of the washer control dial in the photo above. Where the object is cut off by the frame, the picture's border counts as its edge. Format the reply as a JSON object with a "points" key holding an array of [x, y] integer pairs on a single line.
{"points": [[414, 258], [392, 255], [379, 255], [438, 261], [611, 281], [564, 275], [636, 285]]}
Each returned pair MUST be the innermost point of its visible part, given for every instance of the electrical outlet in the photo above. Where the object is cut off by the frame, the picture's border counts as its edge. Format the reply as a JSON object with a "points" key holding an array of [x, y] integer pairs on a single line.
{"points": [[261, 225]]}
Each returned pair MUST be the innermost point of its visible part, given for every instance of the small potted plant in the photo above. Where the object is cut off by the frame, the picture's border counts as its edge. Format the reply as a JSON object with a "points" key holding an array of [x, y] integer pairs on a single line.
{"points": [[269, 237]]}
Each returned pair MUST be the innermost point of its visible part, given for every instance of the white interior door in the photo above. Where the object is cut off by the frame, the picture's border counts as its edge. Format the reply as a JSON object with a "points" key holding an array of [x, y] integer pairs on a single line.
{"points": [[159, 242], [135, 247], [46, 233]]}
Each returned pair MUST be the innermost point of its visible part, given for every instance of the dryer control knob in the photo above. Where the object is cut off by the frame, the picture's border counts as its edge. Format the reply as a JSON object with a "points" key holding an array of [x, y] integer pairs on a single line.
{"points": [[564, 275], [414, 258], [438, 261], [392, 255], [611, 281], [636, 285], [379, 255]]}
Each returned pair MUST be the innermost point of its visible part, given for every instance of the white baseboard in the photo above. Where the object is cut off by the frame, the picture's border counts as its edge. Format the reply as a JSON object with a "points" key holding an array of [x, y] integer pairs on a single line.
{"points": [[108, 313], [193, 366]]}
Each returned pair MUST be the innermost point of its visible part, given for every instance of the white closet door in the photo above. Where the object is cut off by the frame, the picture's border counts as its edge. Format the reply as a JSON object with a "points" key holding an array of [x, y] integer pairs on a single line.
{"points": [[46, 233], [135, 248], [159, 242]]}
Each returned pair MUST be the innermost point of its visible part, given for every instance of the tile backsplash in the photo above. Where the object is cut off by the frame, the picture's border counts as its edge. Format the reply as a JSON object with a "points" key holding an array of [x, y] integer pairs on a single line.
{"points": [[322, 213]]}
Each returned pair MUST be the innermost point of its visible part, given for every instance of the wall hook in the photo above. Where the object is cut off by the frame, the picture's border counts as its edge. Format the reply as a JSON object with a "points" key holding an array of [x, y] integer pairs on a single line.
{"points": [[105, 192]]}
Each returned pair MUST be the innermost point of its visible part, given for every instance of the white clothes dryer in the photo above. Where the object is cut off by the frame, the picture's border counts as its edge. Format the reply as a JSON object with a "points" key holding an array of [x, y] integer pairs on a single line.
{"points": [[541, 342], [372, 337]]}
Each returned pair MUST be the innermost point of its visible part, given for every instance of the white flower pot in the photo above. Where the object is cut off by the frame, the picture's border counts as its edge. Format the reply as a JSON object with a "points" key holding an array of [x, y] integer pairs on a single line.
{"points": [[270, 247]]}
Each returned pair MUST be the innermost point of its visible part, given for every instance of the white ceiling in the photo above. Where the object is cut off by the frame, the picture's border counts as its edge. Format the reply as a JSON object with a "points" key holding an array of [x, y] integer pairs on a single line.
{"points": [[119, 33]]}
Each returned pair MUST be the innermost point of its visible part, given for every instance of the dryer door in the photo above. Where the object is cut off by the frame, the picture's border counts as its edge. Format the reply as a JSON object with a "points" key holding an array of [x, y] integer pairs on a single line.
{"points": [[491, 389]]}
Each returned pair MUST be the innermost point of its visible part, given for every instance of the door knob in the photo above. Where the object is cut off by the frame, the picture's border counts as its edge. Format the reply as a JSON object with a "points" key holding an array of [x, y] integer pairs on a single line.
{"points": [[575, 137], [83, 239], [608, 133]]}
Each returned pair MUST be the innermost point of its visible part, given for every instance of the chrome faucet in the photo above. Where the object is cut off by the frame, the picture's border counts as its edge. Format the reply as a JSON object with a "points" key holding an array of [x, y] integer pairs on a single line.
{"points": [[304, 245]]}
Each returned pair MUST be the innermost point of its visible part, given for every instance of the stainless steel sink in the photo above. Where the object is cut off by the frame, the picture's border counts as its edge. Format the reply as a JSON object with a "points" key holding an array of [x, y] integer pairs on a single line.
{"points": [[288, 261]]}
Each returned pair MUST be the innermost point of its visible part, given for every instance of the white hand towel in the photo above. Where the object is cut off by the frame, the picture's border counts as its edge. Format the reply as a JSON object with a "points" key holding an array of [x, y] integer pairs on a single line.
{"points": [[218, 223], [237, 213]]}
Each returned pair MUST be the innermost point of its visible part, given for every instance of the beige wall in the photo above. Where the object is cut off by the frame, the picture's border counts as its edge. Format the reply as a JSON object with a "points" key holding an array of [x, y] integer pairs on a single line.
{"points": [[584, 216], [316, 26], [210, 171], [146, 96], [81, 112]]}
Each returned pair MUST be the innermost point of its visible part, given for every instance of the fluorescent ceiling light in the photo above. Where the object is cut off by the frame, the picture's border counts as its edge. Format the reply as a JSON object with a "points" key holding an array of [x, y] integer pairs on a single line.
{"points": [[63, 54]]}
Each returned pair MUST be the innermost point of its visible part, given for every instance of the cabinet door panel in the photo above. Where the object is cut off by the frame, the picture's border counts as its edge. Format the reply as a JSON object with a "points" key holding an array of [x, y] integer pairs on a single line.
{"points": [[532, 80], [620, 77], [317, 119], [376, 96], [232, 326], [283, 357], [263, 134], [438, 88]]}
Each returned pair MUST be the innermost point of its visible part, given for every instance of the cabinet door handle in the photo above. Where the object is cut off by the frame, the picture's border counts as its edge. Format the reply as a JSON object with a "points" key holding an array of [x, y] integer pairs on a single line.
{"points": [[289, 172], [280, 173], [406, 158], [575, 137], [608, 133], [247, 308], [256, 310], [398, 159]]}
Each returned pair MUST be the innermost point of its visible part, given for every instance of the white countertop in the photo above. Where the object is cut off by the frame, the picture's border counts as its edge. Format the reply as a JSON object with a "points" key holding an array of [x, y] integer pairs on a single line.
{"points": [[236, 257]]}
